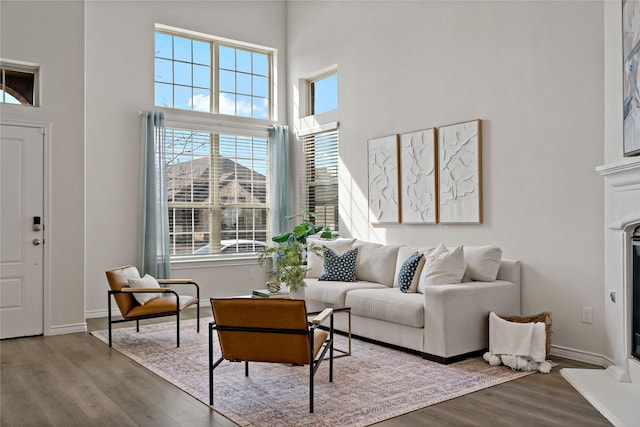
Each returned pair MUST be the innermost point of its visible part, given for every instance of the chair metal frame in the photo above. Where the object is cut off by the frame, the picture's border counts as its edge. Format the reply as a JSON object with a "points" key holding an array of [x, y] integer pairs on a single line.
{"points": [[151, 316], [314, 362]]}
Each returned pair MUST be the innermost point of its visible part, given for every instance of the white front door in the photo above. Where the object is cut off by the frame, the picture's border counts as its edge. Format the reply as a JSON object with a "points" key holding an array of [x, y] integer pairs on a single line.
{"points": [[21, 231]]}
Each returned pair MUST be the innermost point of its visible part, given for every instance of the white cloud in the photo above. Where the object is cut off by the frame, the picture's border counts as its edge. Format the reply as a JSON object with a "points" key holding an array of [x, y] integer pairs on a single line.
{"points": [[200, 102], [227, 105]]}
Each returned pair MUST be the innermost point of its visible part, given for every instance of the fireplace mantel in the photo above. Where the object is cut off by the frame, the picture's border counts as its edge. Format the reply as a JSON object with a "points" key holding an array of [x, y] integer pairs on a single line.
{"points": [[623, 174]]}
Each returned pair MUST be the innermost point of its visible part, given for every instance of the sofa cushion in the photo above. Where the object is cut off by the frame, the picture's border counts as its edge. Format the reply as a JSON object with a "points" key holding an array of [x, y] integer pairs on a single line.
{"points": [[315, 262], [483, 263], [335, 292], [388, 304], [410, 272], [340, 268], [376, 263], [405, 252], [442, 267]]}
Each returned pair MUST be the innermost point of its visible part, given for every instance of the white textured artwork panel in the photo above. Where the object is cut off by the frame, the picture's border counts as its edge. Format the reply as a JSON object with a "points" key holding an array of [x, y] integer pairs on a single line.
{"points": [[418, 176], [459, 173], [383, 180]]}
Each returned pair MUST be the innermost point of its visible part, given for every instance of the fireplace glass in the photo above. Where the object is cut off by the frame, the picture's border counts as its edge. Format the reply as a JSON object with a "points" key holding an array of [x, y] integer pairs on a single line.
{"points": [[635, 277]]}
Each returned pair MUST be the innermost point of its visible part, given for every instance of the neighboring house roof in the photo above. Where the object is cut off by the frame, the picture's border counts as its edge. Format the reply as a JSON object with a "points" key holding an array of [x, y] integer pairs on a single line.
{"points": [[192, 177]]}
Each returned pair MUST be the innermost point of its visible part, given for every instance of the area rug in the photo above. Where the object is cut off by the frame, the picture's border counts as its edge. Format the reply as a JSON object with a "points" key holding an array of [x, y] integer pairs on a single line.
{"points": [[375, 383]]}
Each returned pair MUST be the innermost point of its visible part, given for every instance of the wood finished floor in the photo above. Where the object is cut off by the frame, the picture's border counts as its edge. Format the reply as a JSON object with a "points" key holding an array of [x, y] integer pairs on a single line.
{"points": [[75, 380]]}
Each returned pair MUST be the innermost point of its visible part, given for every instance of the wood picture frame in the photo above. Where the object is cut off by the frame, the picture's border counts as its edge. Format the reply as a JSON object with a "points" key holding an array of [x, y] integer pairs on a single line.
{"points": [[383, 172], [419, 177], [460, 173]]}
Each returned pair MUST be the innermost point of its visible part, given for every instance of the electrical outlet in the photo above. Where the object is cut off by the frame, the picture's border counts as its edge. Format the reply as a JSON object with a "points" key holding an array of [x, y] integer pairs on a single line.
{"points": [[587, 315], [252, 273]]}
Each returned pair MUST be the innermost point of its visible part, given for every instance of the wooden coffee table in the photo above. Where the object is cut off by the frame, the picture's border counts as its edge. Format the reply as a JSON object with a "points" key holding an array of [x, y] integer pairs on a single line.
{"points": [[315, 307]]}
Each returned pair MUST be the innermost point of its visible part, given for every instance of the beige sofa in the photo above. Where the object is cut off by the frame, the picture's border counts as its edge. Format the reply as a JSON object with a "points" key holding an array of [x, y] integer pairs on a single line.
{"points": [[442, 321]]}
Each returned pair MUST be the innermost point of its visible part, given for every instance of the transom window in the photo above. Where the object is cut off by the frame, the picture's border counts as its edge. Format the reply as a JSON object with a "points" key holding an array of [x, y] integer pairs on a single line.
{"points": [[211, 76], [18, 84], [323, 94]]}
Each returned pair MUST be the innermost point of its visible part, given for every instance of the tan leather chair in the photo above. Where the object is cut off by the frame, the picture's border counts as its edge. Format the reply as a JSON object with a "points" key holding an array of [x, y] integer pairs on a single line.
{"points": [[167, 305], [272, 331]]}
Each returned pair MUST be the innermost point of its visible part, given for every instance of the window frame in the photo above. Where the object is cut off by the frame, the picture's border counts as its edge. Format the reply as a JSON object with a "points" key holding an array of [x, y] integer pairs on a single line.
{"points": [[21, 67], [216, 42], [311, 91], [217, 123], [215, 131]]}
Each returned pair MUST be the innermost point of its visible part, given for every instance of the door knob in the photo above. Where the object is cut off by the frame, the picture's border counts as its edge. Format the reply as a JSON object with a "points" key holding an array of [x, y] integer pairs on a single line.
{"points": [[36, 242]]}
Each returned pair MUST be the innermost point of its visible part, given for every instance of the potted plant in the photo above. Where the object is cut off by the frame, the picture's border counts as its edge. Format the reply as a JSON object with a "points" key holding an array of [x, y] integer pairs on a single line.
{"points": [[303, 230], [289, 256]]}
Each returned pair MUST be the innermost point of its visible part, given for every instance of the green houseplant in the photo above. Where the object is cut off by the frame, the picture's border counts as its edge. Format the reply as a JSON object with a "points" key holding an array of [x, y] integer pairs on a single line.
{"points": [[303, 230], [289, 256]]}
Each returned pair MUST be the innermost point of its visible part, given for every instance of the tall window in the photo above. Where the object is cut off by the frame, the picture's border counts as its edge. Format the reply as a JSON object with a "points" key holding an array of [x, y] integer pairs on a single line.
{"points": [[217, 189], [188, 71], [217, 178], [321, 177], [18, 84]]}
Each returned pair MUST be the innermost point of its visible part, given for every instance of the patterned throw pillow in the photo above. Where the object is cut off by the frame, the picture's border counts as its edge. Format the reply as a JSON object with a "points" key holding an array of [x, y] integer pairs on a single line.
{"points": [[408, 273], [339, 268]]}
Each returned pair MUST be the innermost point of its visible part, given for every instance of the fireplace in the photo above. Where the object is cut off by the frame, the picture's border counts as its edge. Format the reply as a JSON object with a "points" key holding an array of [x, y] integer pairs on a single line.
{"points": [[635, 292], [615, 391]]}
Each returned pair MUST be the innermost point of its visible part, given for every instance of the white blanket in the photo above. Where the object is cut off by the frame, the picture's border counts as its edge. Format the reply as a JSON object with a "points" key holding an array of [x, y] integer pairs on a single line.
{"points": [[518, 339]]}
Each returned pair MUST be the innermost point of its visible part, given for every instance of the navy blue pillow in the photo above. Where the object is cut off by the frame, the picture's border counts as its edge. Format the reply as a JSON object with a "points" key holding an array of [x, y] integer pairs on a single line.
{"points": [[339, 268], [408, 271]]}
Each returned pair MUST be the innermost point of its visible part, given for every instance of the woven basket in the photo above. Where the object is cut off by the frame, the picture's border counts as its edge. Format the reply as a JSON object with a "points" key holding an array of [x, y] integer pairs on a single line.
{"points": [[544, 317]]}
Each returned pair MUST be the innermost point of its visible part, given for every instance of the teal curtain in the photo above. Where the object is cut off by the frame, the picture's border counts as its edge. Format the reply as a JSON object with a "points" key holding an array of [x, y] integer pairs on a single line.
{"points": [[155, 258], [280, 188]]}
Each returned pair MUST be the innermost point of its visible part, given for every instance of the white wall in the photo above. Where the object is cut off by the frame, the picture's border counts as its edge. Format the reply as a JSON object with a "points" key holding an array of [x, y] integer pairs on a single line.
{"points": [[533, 72], [119, 84], [51, 34]]}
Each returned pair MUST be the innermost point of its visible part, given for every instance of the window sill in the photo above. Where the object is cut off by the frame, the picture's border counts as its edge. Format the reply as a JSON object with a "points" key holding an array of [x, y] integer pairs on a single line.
{"points": [[215, 261], [214, 122]]}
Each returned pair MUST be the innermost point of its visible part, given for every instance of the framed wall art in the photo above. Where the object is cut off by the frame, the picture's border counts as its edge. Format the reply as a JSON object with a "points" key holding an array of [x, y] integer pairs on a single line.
{"points": [[418, 177], [631, 74], [383, 168], [460, 173]]}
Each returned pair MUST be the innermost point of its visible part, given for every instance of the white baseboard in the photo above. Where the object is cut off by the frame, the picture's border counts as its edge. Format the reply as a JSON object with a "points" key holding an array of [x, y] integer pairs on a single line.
{"points": [[67, 329], [581, 356], [92, 314]]}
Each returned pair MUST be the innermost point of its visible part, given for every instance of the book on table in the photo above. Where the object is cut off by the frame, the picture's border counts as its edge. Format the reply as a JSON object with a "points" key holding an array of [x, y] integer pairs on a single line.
{"points": [[265, 293]]}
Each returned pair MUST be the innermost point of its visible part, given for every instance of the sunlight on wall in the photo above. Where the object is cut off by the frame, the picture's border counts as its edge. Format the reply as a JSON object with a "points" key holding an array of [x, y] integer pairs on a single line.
{"points": [[354, 206]]}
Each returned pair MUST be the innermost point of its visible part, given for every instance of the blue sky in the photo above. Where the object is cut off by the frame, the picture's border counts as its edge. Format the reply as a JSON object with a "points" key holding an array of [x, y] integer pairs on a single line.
{"points": [[8, 98]]}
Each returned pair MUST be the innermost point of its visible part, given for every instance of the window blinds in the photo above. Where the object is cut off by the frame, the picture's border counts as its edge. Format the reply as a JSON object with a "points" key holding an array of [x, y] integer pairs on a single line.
{"points": [[320, 187]]}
